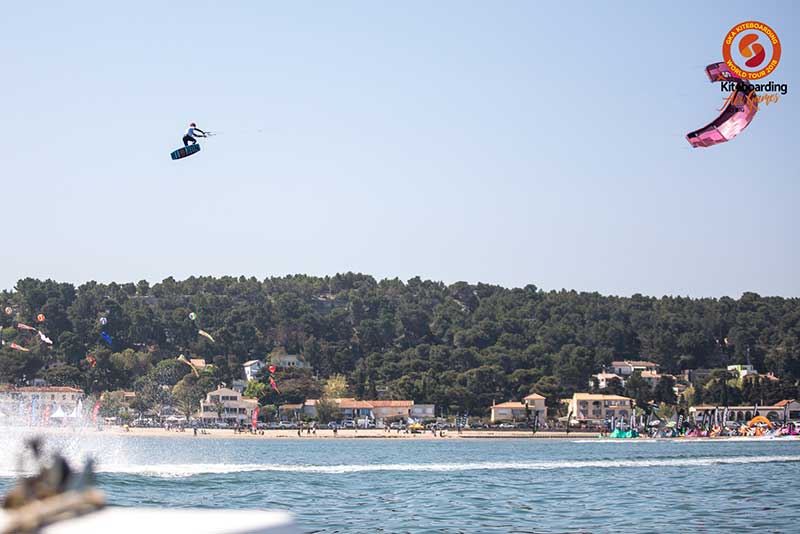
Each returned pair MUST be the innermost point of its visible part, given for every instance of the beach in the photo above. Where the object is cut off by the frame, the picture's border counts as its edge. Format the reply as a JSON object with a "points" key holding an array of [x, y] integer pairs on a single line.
{"points": [[227, 433]]}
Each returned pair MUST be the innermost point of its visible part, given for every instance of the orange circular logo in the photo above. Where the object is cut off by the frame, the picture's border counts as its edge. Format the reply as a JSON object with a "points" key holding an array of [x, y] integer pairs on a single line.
{"points": [[751, 50]]}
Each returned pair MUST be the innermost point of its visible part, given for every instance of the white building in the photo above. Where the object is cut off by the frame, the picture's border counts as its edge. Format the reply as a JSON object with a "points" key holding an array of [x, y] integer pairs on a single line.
{"points": [[422, 411], [743, 370], [531, 406], [604, 378], [251, 369], [235, 408], [628, 367], [388, 409], [13, 397], [596, 408]]}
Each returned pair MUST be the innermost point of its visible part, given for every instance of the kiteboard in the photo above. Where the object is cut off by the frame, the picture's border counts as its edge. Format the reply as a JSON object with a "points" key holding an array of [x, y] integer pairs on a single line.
{"points": [[186, 151]]}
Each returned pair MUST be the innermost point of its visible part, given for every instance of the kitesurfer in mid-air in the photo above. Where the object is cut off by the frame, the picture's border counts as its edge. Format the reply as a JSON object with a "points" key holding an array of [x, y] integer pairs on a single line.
{"points": [[191, 133]]}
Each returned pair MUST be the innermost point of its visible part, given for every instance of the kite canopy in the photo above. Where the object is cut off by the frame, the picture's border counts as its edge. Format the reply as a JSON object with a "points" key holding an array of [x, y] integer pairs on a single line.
{"points": [[760, 419], [740, 110]]}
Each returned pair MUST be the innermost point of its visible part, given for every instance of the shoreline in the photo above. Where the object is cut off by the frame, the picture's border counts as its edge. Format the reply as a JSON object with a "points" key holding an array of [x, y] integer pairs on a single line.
{"points": [[369, 434]]}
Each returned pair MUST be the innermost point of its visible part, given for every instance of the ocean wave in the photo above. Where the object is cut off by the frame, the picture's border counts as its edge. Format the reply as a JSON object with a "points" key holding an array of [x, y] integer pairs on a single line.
{"points": [[188, 470]]}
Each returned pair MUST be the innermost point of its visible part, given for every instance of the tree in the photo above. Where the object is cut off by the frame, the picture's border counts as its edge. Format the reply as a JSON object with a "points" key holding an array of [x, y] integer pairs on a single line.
{"points": [[150, 394], [169, 372], [189, 392], [335, 387], [327, 411], [722, 388], [256, 390], [664, 392], [637, 389], [614, 387], [460, 346], [112, 404], [550, 389], [64, 375]]}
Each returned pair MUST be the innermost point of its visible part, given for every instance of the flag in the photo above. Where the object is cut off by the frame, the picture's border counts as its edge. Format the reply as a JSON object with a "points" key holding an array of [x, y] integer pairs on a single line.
{"points": [[254, 422]]}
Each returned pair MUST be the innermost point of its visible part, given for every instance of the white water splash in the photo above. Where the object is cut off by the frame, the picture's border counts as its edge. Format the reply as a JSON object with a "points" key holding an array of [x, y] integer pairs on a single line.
{"points": [[187, 470]]}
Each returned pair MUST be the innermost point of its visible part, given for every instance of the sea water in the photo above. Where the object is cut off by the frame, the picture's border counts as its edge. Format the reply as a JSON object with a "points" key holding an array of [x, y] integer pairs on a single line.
{"points": [[456, 485]]}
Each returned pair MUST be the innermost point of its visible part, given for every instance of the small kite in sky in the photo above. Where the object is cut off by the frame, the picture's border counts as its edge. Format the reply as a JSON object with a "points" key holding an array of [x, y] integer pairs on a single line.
{"points": [[205, 334], [183, 359], [274, 385]]}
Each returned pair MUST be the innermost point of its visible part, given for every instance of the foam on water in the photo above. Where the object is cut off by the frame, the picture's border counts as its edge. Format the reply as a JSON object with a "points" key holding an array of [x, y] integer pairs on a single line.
{"points": [[187, 470]]}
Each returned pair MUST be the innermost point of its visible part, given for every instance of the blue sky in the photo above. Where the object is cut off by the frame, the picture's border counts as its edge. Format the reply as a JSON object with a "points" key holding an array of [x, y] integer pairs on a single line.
{"points": [[513, 143]]}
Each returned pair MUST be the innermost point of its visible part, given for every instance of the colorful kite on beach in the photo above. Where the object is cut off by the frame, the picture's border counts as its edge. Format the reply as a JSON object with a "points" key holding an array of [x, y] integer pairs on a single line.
{"points": [[103, 321], [40, 318], [9, 310], [92, 360], [45, 338], [192, 316], [183, 359], [272, 368], [206, 335], [106, 337], [17, 347], [22, 326], [741, 108]]}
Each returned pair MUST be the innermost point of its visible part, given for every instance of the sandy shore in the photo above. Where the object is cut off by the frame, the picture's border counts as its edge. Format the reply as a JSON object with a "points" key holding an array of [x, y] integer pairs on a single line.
{"points": [[375, 434], [341, 434], [292, 434]]}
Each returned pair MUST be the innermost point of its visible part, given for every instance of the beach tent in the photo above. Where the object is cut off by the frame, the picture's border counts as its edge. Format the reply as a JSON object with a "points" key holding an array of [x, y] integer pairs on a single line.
{"points": [[76, 412], [759, 420], [58, 414]]}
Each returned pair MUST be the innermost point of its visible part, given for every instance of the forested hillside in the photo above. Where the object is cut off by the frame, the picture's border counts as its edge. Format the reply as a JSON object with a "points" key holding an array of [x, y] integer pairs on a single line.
{"points": [[458, 346]]}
